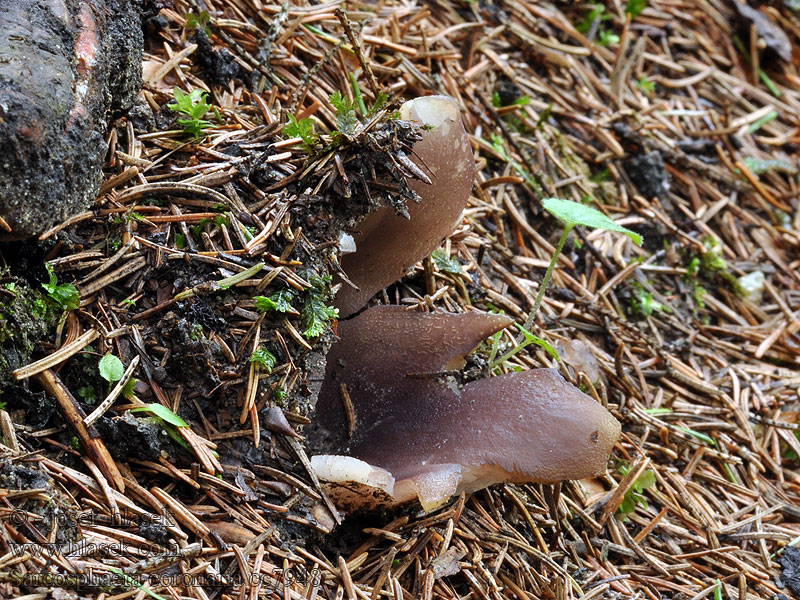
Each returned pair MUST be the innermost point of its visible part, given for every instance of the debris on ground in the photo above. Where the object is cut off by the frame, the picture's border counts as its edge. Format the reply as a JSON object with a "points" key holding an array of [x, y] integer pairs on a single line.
{"points": [[208, 265]]}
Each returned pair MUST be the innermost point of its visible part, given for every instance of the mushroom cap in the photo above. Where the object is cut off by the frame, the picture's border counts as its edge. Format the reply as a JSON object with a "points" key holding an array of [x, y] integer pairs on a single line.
{"points": [[387, 355], [387, 245], [436, 439], [534, 425]]}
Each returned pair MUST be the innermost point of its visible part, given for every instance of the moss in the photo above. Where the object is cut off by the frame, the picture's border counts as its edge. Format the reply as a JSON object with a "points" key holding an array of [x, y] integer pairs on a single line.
{"points": [[26, 315], [711, 266]]}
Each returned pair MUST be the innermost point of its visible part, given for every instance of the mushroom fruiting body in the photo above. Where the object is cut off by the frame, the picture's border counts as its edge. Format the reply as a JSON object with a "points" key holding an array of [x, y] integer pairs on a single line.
{"points": [[386, 244], [427, 438]]}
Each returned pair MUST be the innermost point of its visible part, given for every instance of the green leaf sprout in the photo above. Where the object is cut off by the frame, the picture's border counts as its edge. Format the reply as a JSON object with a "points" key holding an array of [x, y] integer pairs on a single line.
{"points": [[194, 106], [264, 359], [446, 263], [280, 302], [572, 214], [65, 295], [163, 413], [111, 368]]}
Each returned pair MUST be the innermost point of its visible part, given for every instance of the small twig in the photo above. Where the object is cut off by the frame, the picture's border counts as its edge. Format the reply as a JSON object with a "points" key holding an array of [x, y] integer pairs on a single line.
{"points": [[348, 29], [301, 454], [349, 411], [57, 357], [7, 428], [90, 439], [546, 280], [113, 394]]}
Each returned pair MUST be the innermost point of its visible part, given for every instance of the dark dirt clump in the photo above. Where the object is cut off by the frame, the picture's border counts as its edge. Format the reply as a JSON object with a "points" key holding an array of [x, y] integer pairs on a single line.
{"points": [[26, 315], [790, 569], [42, 510], [194, 356], [648, 174], [218, 66], [128, 436]]}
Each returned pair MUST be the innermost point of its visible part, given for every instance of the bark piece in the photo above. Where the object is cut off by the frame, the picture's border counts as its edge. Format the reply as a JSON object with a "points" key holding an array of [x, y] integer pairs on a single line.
{"points": [[774, 37], [65, 65]]}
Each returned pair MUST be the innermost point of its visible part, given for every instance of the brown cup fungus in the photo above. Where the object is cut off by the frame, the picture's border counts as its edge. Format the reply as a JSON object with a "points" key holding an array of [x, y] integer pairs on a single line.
{"points": [[395, 426], [393, 423], [387, 244]]}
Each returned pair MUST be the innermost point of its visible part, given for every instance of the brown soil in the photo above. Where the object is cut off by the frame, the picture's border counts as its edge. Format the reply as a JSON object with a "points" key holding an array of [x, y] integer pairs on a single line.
{"points": [[677, 123]]}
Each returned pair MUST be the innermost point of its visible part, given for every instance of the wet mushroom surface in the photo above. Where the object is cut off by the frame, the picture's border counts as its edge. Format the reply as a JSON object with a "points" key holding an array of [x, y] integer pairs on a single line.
{"points": [[388, 244], [391, 400]]}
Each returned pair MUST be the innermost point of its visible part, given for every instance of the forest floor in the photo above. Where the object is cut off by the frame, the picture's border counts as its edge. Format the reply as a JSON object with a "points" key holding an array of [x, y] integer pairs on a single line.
{"points": [[679, 120]]}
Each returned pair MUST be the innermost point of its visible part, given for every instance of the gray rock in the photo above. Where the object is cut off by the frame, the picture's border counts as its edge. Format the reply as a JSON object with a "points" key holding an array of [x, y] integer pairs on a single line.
{"points": [[64, 65]]}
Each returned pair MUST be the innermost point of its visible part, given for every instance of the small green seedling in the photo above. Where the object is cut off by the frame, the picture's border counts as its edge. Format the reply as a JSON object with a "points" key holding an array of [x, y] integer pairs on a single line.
{"points": [[201, 20], [128, 390], [634, 7], [497, 101], [512, 119], [634, 496], [88, 394], [316, 312], [65, 295], [280, 302], [315, 315], [594, 19], [303, 129], [348, 112], [264, 359], [606, 37], [600, 177], [698, 291], [643, 302], [572, 214], [597, 13], [647, 86], [445, 263], [527, 339], [789, 453], [169, 421], [163, 413], [277, 395], [194, 106], [111, 368], [346, 118], [709, 265], [380, 101]]}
